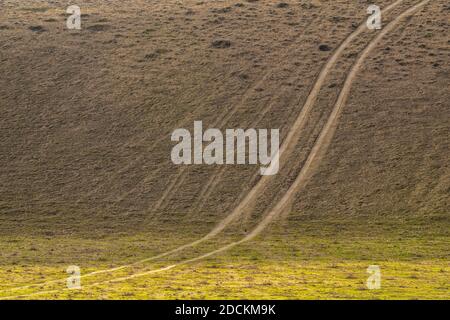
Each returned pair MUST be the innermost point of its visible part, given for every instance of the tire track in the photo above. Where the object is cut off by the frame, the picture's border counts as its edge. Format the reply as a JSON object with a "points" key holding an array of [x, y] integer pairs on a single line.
{"points": [[325, 137], [318, 150], [179, 178]]}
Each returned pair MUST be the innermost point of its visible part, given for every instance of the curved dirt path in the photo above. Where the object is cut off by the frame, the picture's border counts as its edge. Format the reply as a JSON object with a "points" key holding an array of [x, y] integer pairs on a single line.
{"points": [[322, 143], [318, 150]]}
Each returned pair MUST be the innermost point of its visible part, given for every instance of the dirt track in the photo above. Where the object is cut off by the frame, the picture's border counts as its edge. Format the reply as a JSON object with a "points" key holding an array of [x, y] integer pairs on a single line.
{"points": [[313, 159]]}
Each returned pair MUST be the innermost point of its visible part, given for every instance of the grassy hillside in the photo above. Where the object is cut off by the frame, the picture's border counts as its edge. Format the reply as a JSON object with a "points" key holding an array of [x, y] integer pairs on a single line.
{"points": [[85, 171]]}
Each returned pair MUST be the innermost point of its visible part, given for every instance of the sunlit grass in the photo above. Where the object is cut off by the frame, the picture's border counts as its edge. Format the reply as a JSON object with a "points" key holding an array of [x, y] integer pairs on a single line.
{"points": [[308, 259]]}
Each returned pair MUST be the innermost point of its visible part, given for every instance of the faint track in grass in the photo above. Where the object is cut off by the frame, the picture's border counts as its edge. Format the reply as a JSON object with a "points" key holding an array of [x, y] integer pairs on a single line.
{"points": [[221, 123], [236, 212], [319, 149], [178, 179], [317, 152]]}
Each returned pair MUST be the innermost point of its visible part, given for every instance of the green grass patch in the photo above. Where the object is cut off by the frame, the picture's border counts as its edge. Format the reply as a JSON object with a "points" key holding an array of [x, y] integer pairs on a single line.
{"points": [[303, 259]]}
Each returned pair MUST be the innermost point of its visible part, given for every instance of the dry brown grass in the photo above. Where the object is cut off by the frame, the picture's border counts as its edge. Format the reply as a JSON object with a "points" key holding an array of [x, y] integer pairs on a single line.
{"points": [[87, 115]]}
